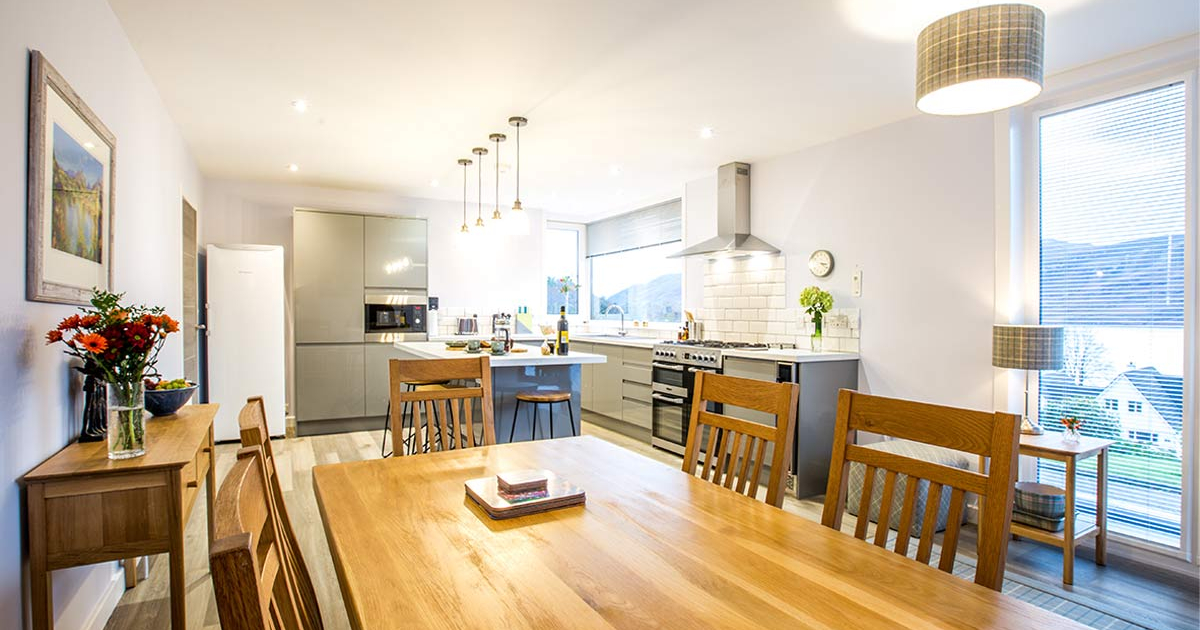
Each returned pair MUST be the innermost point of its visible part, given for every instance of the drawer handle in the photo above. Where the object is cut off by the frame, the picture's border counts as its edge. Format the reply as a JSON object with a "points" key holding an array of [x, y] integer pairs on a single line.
{"points": [[667, 366], [667, 399]]}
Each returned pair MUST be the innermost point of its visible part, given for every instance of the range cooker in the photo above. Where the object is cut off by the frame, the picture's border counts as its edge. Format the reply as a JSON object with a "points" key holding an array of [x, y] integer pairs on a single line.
{"points": [[673, 377]]}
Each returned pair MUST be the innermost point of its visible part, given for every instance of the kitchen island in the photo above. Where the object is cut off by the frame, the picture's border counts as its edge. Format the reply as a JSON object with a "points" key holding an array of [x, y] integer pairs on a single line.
{"points": [[520, 372]]}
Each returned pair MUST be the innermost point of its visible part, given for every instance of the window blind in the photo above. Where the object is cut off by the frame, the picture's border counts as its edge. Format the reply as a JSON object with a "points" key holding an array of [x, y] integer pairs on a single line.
{"points": [[647, 227], [1113, 199]]}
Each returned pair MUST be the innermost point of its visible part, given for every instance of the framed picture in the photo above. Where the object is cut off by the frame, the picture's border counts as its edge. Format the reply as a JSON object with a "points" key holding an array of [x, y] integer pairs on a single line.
{"points": [[72, 160]]}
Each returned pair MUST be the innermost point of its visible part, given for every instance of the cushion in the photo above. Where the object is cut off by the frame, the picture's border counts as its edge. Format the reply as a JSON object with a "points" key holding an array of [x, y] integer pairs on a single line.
{"points": [[1040, 522], [1040, 499], [915, 450]]}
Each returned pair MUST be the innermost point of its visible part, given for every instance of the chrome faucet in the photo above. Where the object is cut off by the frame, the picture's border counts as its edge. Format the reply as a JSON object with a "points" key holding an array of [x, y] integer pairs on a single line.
{"points": [[620, 331]]}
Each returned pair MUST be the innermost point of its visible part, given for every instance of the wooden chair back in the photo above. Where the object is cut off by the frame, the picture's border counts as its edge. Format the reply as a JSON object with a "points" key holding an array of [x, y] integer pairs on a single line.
{"points": [[246, 559], [252, 421], [736, 448], [992, 435], [453, 426]]}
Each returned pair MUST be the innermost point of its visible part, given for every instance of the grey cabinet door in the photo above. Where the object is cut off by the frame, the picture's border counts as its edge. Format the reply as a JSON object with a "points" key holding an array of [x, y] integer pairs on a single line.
{"points": [[327, 277], [395, 254], [606, 382], [329, 381], [377, 356], [585, 374]]}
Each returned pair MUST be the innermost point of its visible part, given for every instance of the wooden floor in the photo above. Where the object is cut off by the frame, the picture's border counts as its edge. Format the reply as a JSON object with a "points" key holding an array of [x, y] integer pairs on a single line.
{"points": [[1163, 600]]}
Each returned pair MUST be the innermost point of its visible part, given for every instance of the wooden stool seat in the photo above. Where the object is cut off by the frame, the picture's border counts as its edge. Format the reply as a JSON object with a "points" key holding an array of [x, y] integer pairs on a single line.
{"points": [[544, 397]]}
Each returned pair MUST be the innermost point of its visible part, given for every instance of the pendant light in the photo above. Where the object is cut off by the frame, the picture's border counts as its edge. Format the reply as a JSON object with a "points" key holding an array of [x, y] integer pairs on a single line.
{"points": [[980, 60], [497, 138], [518, 122], [464, 162], [479, 153]]}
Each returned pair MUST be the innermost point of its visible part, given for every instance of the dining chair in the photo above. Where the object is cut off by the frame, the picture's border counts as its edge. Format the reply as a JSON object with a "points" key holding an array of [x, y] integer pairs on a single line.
{"points": [[992, 435], [252, 421], [452, 406], [246, 560], [737, 449]]}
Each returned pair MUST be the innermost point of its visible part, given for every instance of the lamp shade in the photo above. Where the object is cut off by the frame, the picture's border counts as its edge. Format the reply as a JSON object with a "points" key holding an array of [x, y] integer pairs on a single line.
{"points": [[1027, 347], [980, 60]]}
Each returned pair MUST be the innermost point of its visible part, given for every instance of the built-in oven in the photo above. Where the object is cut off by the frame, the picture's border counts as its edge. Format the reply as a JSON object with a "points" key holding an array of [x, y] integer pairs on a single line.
{"points": [[672, 386], [395, 316]]}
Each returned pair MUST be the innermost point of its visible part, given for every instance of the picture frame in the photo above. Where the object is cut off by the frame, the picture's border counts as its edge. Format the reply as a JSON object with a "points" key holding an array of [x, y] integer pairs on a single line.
{"points": [[70, 192]]}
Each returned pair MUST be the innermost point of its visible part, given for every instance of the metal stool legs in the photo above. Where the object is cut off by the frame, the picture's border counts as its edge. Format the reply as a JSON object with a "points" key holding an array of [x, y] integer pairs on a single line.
{"points": [[535, 425]]}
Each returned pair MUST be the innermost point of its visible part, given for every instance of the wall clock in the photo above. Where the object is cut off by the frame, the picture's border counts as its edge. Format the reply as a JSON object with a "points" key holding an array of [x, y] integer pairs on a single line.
{"points": [[821, 263]]}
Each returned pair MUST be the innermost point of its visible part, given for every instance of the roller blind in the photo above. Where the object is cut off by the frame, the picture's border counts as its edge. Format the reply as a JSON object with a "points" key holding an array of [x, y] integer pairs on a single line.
{"points": [[1113, 200], [655, 225]]}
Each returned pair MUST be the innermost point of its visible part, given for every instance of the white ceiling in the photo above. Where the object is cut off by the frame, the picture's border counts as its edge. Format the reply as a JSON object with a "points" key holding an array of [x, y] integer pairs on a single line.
{"points": [[400, 89]]}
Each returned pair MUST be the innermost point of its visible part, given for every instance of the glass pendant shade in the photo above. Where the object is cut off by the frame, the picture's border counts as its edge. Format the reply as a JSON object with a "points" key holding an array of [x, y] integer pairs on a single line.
{"points": [[497, 138], [479, 152], [980, 60], [464, 163], [518, 122]]}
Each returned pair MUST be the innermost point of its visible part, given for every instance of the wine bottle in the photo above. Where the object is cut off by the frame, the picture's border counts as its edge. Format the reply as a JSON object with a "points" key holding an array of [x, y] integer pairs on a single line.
{"points": [[561, 346]]}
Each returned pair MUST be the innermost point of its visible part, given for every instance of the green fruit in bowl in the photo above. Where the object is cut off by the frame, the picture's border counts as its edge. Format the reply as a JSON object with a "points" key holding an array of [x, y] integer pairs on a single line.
{"points": [[179, 383]]}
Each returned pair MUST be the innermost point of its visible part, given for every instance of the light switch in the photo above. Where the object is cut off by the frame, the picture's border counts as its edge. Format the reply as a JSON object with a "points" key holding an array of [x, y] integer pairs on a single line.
{"points": [[856, 283]]}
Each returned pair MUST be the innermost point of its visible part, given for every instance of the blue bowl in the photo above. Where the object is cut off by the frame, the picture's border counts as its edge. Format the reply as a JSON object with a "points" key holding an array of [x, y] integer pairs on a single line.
{"points": [[165, 402]]}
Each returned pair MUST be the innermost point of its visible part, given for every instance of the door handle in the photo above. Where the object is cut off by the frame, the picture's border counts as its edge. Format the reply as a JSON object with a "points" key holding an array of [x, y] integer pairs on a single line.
{"points": [[667, 399], [693, 370], [667, 366]]}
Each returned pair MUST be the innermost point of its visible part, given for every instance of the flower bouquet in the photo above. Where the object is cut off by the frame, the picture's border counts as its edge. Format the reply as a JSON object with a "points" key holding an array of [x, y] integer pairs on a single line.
{"points": [[121, 345], [1071, 432], [816, 303]]}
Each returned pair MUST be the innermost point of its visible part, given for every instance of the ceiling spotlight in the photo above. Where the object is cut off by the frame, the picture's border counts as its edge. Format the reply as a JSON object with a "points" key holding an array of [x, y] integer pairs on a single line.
{"points": [[300, 105], [293, 167], [706, 133], [434, 183]]}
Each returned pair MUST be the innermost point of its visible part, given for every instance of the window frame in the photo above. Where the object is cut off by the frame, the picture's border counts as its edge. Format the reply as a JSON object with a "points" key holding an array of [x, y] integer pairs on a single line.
{"points": [[583, 272], [1028, 198]]}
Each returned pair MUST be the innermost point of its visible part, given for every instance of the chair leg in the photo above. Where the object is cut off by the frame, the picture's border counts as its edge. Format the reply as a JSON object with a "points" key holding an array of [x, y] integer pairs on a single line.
{"points": [[512, 430], [551, 408], [387, 423], [571, 413], [534, 427]]}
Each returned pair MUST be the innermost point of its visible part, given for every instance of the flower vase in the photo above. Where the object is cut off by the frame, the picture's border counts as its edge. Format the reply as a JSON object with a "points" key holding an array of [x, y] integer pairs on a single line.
{"points": [[815, 339], [1070, 435], [94, 408], [126, 420]]}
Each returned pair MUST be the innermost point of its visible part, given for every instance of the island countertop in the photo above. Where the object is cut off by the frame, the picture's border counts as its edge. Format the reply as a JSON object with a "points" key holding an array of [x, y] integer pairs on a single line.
{"points": [[534, 356]]}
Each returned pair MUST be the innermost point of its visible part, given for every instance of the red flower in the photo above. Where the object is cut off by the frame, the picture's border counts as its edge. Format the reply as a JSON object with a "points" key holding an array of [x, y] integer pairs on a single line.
{"points": [[149, 320], [139, 336], [53, 336], [89, 320], [70, 323], [91, 342]]}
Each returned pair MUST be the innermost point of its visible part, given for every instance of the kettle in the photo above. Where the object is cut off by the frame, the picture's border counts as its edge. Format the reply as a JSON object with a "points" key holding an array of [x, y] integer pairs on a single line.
{"points": [[468, 325]]}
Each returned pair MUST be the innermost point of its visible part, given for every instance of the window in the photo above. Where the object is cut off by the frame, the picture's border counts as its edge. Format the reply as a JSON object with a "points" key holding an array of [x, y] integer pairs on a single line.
{"points": [[1113, 201], [630, 271], [560, 263]]}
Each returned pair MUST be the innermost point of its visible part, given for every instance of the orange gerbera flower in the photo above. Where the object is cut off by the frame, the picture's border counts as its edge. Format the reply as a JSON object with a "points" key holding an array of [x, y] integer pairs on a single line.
{"points": [[91, 342], [70, 323], [53, 336], [120, 316], [89, 320]]}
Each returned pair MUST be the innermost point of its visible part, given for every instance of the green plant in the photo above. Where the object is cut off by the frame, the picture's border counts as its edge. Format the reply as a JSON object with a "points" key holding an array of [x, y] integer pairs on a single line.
{"points": [[816, 303]]}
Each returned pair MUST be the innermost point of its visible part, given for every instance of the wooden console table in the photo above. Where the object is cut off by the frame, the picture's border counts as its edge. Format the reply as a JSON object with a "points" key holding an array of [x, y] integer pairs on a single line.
{"points": [[84, 508], [1075, 530]]}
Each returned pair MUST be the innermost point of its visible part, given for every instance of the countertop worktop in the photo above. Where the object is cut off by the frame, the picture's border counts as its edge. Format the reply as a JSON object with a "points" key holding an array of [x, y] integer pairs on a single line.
{"points": [[615, 340], [534, 357], [791, 355], [486, 336]]}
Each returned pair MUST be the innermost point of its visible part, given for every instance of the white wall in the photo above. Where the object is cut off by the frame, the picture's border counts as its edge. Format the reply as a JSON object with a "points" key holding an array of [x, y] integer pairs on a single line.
{"points": [[85, 42], [911, 203], [491, 273]]}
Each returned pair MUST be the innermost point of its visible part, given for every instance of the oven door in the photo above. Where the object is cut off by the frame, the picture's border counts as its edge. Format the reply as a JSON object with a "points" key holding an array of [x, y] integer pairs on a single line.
{"points": [[669, 423], [671, 375], [391, 322]]}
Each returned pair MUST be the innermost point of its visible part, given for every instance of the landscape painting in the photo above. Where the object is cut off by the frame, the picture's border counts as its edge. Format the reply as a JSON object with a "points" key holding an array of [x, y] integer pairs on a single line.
{"points": [[76, 209]]}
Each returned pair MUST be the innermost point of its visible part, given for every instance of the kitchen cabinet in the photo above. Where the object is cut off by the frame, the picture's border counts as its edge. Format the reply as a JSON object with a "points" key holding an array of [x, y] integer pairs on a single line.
{"points": [[327, 277], [606, 382], [585, 374], [329, 381], [395, 254], [376, 379], [636, 412]]}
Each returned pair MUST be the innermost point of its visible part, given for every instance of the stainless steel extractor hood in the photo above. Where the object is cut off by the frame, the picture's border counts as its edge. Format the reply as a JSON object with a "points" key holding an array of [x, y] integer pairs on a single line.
{"points": [[733, 219]]}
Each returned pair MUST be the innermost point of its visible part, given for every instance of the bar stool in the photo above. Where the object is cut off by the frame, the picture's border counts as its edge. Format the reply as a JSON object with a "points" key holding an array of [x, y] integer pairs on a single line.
{"points": [[406, 418], [548, 398]]}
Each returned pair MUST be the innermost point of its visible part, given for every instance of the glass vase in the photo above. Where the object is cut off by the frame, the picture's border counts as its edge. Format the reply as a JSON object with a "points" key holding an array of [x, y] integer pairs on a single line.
{"points": [[815, 339], [126, 420], [1070, 435]]}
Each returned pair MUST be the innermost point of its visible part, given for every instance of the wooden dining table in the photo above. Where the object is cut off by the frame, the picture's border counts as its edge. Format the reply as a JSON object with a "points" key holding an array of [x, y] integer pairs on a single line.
{"points": [[652, 547]]}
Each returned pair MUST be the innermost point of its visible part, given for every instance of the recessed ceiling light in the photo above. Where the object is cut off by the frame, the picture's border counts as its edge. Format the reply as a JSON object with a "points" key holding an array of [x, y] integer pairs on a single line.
{"points": [[89, 145], [300, 105], [434, 183], [293, 167], [615, 169], [706, 133]]}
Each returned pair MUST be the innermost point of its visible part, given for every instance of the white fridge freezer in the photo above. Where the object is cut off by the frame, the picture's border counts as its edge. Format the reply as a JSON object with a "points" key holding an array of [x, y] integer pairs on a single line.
{"points": [[245, 306]]}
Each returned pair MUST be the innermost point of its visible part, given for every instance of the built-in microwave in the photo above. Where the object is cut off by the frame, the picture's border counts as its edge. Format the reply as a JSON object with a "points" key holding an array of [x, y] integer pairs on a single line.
{"points": [[395, 316]]}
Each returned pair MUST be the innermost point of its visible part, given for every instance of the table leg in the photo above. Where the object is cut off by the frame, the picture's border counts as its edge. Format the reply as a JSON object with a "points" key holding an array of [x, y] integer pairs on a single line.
{"points": [[130, 566], [40, 593], [1102, 507], [175, 524], [211, 491], [1069, 525]]}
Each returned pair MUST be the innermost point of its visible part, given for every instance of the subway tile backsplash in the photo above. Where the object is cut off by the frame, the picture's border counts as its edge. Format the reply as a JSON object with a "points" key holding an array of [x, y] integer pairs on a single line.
{"points": [[746, 300]]}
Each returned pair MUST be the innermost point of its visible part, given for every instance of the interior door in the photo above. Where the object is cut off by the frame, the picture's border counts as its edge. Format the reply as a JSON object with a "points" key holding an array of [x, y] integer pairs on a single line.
{"points": [[191, 300]]}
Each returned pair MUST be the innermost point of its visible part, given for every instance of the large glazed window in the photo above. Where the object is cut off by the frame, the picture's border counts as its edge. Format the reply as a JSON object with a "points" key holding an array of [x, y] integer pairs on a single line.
{"points": [[630, 271], [1113, 204]]}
